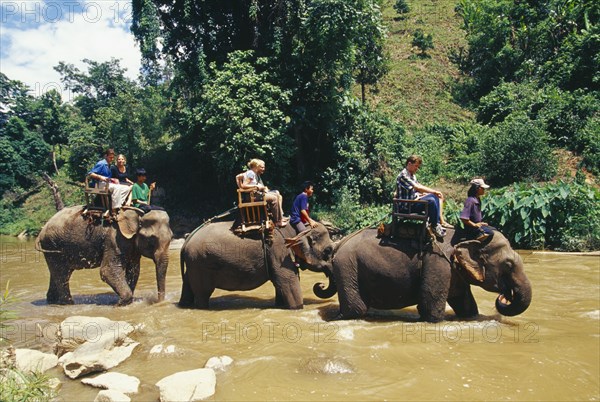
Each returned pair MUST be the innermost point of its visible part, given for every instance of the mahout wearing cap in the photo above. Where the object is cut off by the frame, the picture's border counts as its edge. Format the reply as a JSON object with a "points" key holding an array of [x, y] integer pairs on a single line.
{"points": [[479, 183]]}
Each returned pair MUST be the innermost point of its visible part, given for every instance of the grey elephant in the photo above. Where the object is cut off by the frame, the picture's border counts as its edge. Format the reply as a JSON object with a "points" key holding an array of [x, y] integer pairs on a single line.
{"points": [[70, 241], [387, 274], [217, 258]]}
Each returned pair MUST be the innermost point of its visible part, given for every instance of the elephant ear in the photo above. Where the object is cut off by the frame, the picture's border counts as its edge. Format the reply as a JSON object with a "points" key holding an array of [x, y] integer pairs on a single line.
{"points": [[129, 222], [467, 255], [295, 242]]}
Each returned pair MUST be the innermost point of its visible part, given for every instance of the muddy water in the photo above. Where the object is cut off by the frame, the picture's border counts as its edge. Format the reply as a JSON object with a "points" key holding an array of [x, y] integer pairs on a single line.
{"points": [[551, 352]]}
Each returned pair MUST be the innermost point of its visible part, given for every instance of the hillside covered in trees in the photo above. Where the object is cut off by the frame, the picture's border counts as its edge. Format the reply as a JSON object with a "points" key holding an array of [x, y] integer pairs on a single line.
{"points": [[339, 92]]}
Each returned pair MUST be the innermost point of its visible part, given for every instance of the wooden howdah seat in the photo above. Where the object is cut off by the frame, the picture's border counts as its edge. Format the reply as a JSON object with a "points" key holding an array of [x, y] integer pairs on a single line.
{"points": [[96, 193], [405, 211], [253, 210]]}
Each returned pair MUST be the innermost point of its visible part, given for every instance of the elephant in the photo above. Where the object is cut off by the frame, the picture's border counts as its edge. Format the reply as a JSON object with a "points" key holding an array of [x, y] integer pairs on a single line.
{"points": [[392, 274], [218, 258], [71, 240]]}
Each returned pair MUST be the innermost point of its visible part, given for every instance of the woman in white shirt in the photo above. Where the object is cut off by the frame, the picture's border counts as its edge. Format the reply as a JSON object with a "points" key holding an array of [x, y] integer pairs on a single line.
{"points": [[251, 180]]}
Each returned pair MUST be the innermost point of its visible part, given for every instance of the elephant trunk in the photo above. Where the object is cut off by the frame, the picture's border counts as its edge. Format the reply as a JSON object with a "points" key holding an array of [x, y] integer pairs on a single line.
{"points": [[516, 298], [323, 292]]}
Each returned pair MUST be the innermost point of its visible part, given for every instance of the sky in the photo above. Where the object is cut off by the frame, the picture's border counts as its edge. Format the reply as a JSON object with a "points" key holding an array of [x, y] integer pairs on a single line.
{"points": [[35, 35]]}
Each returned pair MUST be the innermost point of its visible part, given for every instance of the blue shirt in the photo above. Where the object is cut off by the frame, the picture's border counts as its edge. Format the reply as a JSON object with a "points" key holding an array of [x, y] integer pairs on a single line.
{"points": [[300, 204], [472, 210], [101, 168]]}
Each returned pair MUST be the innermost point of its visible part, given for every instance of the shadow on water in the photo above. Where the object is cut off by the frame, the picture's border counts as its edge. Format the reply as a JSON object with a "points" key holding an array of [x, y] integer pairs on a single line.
{"points": [[409, 315], [101, 299]]}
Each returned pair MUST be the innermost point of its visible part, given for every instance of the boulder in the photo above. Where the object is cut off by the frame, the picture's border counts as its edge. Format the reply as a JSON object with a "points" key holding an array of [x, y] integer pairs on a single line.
{"points": [[102, 344], [192, 385], [33, 360], [114, 381], [110, 395], [218, 363]]}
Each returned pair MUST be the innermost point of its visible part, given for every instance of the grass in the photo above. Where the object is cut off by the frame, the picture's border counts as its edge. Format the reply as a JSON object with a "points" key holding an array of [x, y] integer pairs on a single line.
{"points": [[418, 91]]}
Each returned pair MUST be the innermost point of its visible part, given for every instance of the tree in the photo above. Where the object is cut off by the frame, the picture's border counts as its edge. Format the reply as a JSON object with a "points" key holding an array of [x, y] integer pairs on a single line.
{"points": [[550, 41], [401, 7], [243, 115], [422, 41]]}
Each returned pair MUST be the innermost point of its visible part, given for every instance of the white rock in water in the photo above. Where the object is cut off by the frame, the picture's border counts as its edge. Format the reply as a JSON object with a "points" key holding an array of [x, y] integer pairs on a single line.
{"points": [[33, 360], [91, 329], [170, 349], [105, 344], [192, 385], [156, 349], [114, 381], [218, 363], [110, 395]]}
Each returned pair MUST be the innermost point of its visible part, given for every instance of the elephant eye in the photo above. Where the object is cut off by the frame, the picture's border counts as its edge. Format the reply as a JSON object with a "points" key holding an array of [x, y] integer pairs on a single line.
{"points": [[310, 240]]}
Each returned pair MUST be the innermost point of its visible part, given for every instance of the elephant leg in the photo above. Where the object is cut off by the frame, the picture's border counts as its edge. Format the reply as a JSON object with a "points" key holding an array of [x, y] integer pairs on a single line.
{"points": [[60, 274], [435, 285], [114, 276], [279, 302], [132, 273], [464, 305], [202, 287], [288, 292]]}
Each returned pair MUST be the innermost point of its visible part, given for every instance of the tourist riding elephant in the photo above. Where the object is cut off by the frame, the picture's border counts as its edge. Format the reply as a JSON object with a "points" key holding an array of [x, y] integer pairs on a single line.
{"points": [[392, 274], [218, 258], [70, 241]]}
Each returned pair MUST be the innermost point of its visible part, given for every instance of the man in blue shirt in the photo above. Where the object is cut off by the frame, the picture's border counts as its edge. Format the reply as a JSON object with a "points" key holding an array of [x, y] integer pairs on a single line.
{"points": [[101, 173], [299, 216]]}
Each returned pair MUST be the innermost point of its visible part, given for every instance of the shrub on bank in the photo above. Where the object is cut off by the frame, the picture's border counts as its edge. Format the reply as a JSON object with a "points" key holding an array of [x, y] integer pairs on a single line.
{"points": [[561, 216]]}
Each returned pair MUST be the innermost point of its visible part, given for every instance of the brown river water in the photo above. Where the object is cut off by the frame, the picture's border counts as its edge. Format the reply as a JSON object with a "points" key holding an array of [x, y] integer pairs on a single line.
{"points": [[550, 352]]}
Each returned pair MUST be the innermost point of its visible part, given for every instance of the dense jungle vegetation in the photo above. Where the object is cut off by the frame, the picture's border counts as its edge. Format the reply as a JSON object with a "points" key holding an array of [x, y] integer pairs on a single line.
{"points": [[339, 92]]}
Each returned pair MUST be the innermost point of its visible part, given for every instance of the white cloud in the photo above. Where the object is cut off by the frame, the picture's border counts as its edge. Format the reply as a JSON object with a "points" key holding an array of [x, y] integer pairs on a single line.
{"points": [[96, 30]]}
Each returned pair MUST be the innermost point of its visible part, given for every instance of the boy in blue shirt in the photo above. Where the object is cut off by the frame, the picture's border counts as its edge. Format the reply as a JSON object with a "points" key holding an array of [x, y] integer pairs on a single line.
{"points": [[299, 216]]}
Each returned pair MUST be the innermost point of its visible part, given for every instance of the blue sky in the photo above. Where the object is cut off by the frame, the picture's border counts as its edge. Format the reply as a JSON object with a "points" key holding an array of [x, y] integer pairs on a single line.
{"points": [[36, 35]]}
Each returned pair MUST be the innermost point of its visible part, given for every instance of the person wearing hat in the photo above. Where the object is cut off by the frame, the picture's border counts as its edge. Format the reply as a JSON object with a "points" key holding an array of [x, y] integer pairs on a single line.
{"points": [[471, 215], [140, 192]]}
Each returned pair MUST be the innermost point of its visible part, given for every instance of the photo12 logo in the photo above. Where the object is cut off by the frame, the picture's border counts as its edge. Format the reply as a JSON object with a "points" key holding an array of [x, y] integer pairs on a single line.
{"points": [[38, 12], [483, 332], [253, 332]]}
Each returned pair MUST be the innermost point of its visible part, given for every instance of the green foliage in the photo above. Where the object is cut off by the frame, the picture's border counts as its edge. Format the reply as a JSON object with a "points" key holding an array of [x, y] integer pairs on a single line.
{"points": [[23, 154], [350, 215], [22, 386], [553, 42], [422, 41], [562, 216], [561, 113], [243, 115], [401, 7], [589, 140], [365, 163], [6, 299], [516, 150]]}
